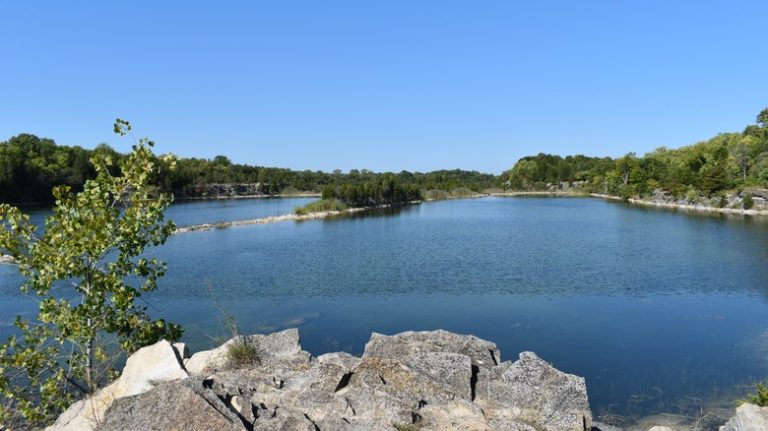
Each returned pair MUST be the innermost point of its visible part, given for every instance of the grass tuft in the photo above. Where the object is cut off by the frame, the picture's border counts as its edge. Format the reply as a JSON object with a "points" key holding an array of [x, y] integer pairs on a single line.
{"points": [[242, 353]]}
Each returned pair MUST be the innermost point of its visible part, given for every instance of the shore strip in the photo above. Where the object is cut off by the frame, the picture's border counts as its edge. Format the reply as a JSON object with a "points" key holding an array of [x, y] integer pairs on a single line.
{"points": [[681, 207], [269, 219], [640, 202], [541, 193], [227, 197]]}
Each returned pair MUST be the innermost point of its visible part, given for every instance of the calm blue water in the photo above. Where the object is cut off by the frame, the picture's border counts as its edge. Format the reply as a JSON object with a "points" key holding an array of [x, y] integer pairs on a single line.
{"points": [[193, 212], [650, 306]]}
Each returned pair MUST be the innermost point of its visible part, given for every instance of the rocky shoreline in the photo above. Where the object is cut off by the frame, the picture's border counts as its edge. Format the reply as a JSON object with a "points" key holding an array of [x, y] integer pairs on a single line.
{"points": [[426, 381], [281, 218], [734, 202], [230, 191], [267, 220]]}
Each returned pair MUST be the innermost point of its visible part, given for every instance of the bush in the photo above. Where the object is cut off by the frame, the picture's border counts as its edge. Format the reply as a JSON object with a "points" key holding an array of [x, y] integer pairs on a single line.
{"points": [[759, 398], [722, 202], [692, 196], [747, 201]]}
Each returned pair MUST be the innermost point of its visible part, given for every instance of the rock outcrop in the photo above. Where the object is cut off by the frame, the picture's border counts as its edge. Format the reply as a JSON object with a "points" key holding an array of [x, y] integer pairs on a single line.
{"points": [[410, 381], [220, 190], [749, 417], [145, 369]]}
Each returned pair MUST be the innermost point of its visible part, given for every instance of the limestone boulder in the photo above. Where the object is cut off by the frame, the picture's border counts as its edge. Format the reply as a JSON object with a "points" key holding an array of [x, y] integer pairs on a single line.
{"points": [[482, 353], [176, 406], [749, 417], [415, 380], [283, 345], [532, 391], [145, 369]]}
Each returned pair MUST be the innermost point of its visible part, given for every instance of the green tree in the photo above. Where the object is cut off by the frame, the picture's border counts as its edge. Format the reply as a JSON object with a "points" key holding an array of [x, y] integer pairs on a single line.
{"points": [[87, 270], [713, 177], [625, 166], [762, 119], [741, 154], [222, 160]]}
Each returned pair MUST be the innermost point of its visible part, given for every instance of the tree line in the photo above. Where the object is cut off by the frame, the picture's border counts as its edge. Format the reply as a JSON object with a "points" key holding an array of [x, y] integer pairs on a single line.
{"points": [[385, 190], [31, 166], [728, 161]]}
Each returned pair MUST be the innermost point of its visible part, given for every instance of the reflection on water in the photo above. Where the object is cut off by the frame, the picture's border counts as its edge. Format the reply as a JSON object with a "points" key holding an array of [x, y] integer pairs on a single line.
{"points": [[660, 311]]}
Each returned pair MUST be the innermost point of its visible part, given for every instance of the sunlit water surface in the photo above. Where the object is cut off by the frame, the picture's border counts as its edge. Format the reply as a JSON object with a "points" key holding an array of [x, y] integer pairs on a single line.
{"points": [[660, 311]]}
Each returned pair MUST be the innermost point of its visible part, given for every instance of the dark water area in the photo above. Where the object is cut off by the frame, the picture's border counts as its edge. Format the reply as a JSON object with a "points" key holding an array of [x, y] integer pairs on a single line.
{"points": [[660, 311]]}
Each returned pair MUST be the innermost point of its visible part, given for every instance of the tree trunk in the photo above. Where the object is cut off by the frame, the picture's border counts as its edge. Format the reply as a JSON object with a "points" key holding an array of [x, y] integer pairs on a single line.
{"points": [[90, 353], [90, 349]]}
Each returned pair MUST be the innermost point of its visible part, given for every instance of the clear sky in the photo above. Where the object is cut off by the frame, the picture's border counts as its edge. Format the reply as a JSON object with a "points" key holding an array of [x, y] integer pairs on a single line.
{"points": [[384, 85]]}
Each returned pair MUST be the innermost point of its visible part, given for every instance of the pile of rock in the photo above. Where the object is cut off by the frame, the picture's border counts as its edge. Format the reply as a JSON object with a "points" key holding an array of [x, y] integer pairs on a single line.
{"points": [[410, 381], [414, 380]]}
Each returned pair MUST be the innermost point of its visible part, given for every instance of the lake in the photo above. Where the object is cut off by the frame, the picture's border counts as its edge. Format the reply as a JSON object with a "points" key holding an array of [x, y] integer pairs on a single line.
{"points": [[660, 311]]}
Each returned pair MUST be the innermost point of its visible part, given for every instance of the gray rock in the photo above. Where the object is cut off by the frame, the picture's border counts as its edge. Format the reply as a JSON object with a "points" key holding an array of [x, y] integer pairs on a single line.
{"points": [[176, 406], [482, 353], [279, 345], [599, 426], [749, 417], [181, 350], [340, 358], [532, 391], [452, 371], [146, 368], [422, 380], [214, 190]]}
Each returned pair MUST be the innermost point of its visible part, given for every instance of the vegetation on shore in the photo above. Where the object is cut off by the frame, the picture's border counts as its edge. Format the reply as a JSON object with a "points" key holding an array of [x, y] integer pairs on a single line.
{"points": [[87, 271], [31, 166], [321, 205], [386, 190], [760, 397], [378, 192], [459, 193], [729, 161]]}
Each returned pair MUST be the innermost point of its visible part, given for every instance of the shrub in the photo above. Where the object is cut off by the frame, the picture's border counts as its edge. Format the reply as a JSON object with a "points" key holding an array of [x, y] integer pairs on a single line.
{"points": [[242, 353], [759, 398], [747, 201], [692, 195]]}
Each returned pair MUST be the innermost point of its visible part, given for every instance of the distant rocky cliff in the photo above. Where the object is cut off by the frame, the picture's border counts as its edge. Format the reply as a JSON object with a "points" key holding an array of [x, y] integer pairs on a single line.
{"points": [[410, 381], [219, 190]]}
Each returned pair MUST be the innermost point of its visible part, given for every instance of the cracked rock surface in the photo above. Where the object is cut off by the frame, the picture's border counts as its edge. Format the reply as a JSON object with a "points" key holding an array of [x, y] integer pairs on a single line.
{"points": [[411, 381]]}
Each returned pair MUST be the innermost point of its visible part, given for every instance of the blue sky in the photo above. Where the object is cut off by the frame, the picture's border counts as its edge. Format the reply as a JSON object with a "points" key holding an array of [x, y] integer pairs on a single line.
{"points": [[384, 85]]}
